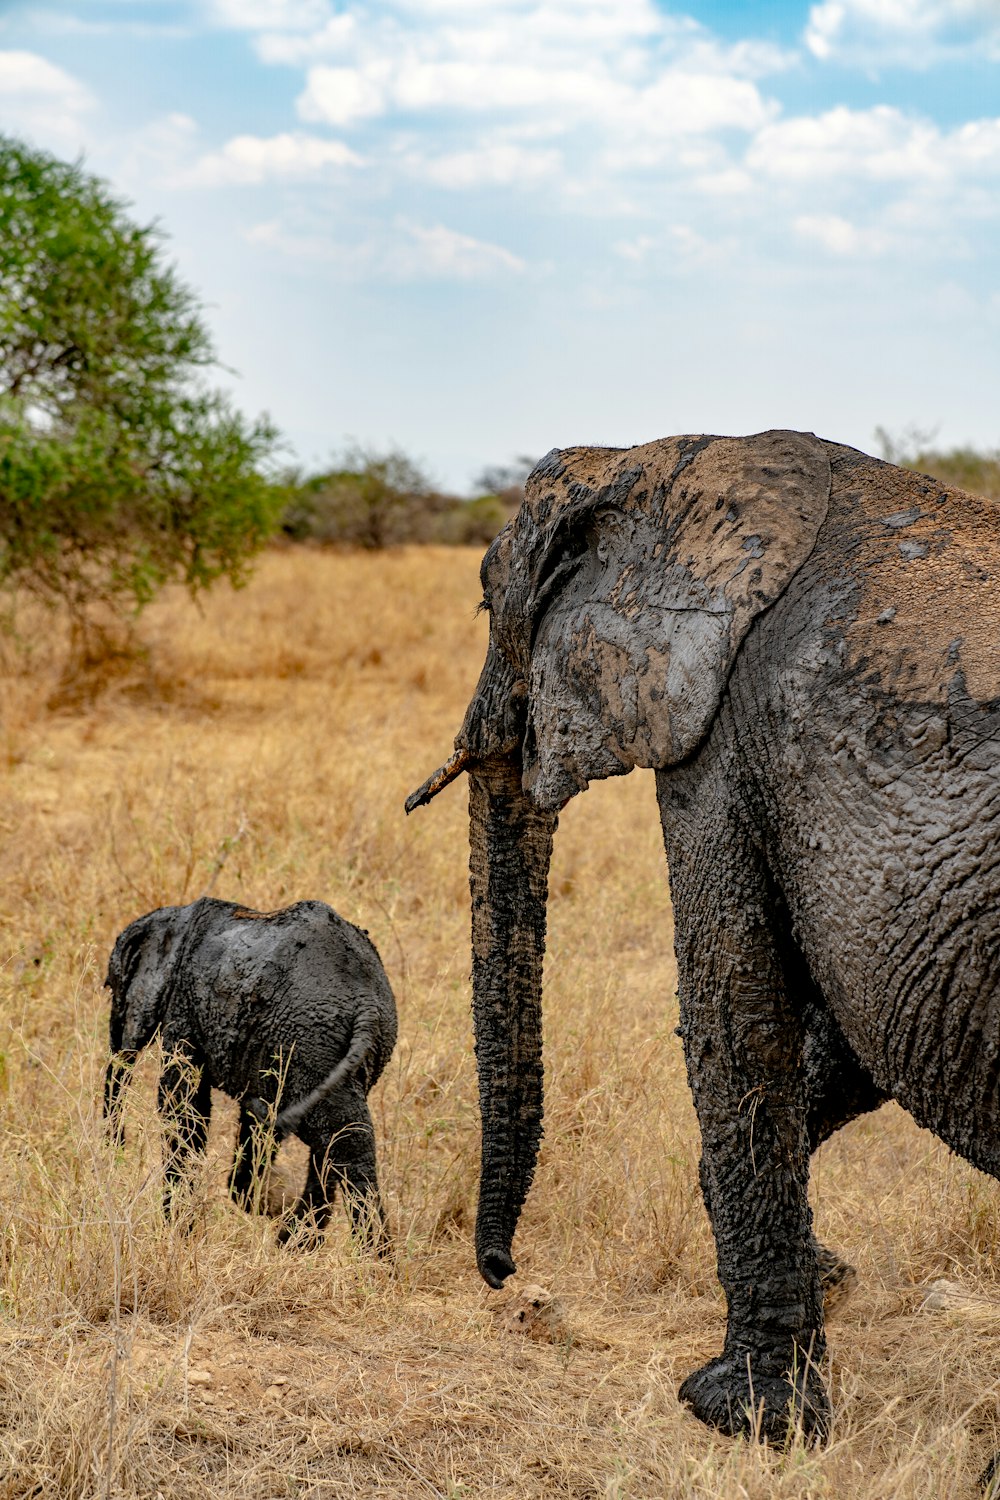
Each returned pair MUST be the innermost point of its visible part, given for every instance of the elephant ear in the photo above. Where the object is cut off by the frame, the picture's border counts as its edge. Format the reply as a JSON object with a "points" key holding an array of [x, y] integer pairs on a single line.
{"points": [[647, 568]]}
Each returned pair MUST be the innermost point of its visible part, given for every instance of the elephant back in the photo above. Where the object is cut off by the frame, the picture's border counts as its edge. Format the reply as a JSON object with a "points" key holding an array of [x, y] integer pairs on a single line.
{"points": [[924, 559]]}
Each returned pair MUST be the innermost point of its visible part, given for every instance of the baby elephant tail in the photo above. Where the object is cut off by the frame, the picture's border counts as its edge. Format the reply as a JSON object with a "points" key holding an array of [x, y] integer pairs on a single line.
{"points": [[289, 1119]]}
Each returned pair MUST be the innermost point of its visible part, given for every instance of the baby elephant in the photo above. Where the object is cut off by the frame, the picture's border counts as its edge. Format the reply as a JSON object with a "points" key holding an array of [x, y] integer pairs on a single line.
{"points": [[288, 1010]]}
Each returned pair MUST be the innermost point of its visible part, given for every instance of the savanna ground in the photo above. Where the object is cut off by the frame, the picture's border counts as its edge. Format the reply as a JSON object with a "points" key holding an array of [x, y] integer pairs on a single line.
{"points": [[263, 752]]}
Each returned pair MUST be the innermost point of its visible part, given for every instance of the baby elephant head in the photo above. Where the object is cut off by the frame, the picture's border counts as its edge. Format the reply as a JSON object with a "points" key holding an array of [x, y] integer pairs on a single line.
{"points": [[139, 974]]}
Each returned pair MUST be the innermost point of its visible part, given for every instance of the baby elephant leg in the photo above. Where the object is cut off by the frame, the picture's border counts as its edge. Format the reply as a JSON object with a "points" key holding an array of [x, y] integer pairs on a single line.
{"points": [[341, 1151], [305, 1224], [254, 1153], [184, 1100]]}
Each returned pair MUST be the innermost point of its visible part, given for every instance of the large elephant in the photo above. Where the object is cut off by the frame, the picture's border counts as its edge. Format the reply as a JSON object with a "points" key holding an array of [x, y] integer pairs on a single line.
{"points": [[804, 644]]}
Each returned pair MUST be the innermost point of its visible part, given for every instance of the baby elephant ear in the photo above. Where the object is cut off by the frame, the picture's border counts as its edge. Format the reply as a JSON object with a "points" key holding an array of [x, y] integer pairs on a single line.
{"points": [[660, 559]]}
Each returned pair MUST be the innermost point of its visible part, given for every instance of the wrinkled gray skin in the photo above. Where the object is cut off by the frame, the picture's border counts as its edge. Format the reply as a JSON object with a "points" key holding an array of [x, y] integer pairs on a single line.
{"points": [[804, 643], [252, 1002]]}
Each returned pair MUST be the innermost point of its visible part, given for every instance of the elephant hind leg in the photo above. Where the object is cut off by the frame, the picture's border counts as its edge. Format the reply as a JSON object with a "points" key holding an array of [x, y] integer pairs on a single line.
{"points": [[838, 1089], [303, 1226], [254, 1153], [341, 1141]]}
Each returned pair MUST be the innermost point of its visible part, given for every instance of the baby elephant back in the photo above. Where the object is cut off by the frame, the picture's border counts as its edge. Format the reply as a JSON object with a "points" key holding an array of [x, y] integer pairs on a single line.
{"points": [[310, 963]]}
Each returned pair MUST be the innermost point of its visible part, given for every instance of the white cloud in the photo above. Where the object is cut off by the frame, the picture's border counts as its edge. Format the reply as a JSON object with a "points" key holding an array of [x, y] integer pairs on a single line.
{"points": [[876, 145], [413, 84], [158, 152], [406, 251], [43, 101], [254, 159], [840, 237], [975, 146], [683, 103], [438, 252], [912, 33], [334, 38], [731, 182], [496, 164], [620, 81], [680, 249], [342, 96], [270, 15], [635, 250], [272, 234], [674, 103], [60, 24]]}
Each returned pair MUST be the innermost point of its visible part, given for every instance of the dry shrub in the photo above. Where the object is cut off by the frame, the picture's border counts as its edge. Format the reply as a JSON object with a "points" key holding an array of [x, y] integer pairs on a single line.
{"points": [[262, 750]]}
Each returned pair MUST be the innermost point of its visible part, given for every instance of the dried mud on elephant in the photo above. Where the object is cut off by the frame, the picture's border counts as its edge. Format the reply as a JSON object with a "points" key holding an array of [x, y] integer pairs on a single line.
{"points": [[801, 642]]}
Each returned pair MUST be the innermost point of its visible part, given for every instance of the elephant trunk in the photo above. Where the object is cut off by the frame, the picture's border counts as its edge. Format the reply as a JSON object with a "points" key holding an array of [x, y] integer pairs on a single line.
{"points": [[511, 845]]}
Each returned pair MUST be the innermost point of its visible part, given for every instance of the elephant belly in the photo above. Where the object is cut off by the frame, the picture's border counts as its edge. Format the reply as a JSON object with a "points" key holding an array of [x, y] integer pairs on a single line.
{"points": [[893, 882]]}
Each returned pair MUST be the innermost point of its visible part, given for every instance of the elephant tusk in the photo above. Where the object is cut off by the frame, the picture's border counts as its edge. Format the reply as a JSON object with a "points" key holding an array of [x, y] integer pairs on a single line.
{"points": [[437, 783]]}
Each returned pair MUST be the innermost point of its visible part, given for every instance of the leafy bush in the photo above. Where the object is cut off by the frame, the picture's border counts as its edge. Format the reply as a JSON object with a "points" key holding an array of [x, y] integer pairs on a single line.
{"points": [[372, 500], [474, 523], [966, 468], [963, 467], [375, 500], [119, 471]]}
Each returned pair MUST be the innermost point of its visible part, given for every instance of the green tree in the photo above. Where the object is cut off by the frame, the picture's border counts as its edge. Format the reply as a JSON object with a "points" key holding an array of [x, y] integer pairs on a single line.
{"points": [[120, 470]]}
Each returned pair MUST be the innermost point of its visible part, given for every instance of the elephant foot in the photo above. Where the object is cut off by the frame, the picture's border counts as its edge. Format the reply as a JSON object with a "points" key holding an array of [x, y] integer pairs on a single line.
{"points": [[299, 1234], [837, 1279], [758, 1399], [177, 1209], [251, 1197]]}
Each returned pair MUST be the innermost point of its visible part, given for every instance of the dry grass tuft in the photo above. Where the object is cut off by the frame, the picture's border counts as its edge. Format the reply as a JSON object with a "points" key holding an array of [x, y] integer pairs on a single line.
{"points": [[262, 750]]}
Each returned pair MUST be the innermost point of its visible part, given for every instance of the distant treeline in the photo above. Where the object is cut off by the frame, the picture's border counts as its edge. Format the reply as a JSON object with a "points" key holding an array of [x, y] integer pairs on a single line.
{"points": [[377, 499], [382, 499]]}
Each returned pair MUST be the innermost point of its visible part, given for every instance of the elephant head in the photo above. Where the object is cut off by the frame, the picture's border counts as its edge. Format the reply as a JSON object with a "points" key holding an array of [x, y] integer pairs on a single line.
{"points": [[618, 598], [139, 976]]}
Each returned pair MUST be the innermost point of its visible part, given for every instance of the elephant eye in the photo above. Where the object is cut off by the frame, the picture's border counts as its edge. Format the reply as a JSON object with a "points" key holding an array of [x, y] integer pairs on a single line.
{"points": [[606, 521], [605, 525]]}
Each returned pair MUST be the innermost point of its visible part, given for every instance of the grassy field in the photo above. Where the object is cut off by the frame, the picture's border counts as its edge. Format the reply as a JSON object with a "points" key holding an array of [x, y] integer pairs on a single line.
{"points": [[263, 752]]}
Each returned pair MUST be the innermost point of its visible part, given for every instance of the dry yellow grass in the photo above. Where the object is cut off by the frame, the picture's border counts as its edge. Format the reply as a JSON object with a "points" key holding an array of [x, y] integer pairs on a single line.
{"points": [[264, 753]]}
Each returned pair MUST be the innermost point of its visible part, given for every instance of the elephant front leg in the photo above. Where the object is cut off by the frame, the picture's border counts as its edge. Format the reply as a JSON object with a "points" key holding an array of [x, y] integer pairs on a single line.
{"points": [[744, 1053], [184, 1100]]}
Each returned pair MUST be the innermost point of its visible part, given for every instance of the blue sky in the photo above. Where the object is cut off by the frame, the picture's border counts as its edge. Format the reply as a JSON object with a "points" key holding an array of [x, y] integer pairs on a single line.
{"points": [[481, 228]]}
